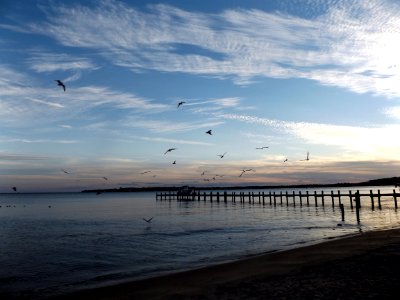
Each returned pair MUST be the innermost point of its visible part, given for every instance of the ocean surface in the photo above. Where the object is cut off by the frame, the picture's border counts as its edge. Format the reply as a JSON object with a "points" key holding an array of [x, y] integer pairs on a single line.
{"points": [[57, 243]]}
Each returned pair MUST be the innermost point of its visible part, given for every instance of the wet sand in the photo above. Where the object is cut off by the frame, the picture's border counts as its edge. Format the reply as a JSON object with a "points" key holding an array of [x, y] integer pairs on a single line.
{"points": [[366, 265]]}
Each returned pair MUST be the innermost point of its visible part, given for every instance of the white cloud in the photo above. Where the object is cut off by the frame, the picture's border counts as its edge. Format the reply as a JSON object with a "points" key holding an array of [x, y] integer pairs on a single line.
{"points": [[50, 62], [30, 141], [352, 45], [374, 142], [20, 98], [161, 126], [173, 141], [393, 112], [65, 126], [52, 104]]}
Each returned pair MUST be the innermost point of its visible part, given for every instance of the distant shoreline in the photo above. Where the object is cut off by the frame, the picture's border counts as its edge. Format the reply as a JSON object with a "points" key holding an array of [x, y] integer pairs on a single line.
{"points": [[375, 182]]}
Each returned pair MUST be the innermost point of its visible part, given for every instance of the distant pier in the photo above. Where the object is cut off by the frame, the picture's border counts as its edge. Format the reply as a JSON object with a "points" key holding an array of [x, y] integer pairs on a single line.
{"points": [[287, 198]]}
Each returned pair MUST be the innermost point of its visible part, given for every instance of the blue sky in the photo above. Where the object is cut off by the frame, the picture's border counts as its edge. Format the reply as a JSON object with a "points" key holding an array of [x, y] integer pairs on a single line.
{"points": [[297, 76]]}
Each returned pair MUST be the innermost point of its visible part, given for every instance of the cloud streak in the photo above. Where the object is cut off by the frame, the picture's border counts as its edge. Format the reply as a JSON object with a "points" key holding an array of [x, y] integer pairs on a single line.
{"points": [[374, 142], [243, 45]]}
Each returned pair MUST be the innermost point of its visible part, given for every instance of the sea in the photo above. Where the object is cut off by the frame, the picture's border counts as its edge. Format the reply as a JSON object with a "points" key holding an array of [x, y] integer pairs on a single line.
{"points": [[57, 243]]}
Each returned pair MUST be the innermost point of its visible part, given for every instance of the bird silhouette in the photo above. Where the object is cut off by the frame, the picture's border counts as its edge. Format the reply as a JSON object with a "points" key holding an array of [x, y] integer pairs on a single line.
{"points": [[209, 132], [14, 188], [180, 103], [66, 172], [285, 160], [264, 147], [244, 171], [169, 150], [148, 220], [59, 83], [105, 178], [174, 163], [307, 158], [145, 172], [222, 155], [204, 172]]}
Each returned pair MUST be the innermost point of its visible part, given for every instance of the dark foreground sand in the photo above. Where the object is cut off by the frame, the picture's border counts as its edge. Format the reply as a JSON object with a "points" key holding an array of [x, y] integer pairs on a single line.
{"points": [[357, 267]]}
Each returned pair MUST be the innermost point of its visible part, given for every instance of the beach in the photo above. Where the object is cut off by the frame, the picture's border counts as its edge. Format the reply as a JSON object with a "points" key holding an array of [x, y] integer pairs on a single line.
{"points": [[365, 265]]}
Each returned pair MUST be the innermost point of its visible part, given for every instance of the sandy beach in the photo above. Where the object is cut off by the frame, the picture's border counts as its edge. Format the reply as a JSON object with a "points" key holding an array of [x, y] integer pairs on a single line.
{"points": [[366, 265]]}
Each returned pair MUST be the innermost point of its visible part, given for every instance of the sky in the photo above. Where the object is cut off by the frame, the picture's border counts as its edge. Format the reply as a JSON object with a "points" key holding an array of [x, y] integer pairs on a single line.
{"points": [[296, 76]]}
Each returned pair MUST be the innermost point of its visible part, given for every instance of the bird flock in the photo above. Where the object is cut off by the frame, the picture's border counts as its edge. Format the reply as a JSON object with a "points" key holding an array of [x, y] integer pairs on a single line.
{"points": [[169, 150]]}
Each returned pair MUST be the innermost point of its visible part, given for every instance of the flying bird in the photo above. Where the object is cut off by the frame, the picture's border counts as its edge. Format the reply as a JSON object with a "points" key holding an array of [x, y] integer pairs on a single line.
{"points": [[285, 160], [180, 103], [59, 83], [14, 188], [244, 171], [174, 163], [66, 172], [169, 150], [264, 147], [222, 155], [148, 220], [307, 158], [105, 178], [209, 132], [204, 172], [145, 172]]}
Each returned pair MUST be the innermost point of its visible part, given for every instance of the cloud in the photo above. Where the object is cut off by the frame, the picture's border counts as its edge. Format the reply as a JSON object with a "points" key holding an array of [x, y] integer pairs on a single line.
{"points": [[52, 104], [20, 95], [30, 141], [393, 112], [374, 142], [19, 157], [174, 141], [65, 126], [159, 126], [243, 45], [51, 62]]}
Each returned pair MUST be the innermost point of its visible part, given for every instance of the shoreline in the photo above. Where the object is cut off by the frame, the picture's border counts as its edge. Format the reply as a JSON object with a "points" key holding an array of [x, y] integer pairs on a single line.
{"points": [[232, 279]]}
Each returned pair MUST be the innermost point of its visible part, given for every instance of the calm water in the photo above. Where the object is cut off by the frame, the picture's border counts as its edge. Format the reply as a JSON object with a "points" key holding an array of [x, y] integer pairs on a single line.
{"points": [[84, 240]]}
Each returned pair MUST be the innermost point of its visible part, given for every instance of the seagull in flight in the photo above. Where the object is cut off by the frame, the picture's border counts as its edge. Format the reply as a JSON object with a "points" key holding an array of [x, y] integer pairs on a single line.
{"points": [[180, 103], [105, 178], [174, 163], [169, 150], [145, 172], [222, 155], [148, 220], [59, 83], [307, 158], [264, 147], [285, 160], [209, 132], [14, 188], [66, 172], [244, 171]]}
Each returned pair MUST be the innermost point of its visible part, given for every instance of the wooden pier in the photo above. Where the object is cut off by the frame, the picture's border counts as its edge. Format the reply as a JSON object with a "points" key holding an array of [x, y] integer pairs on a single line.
{"points": [[284, 198]]}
